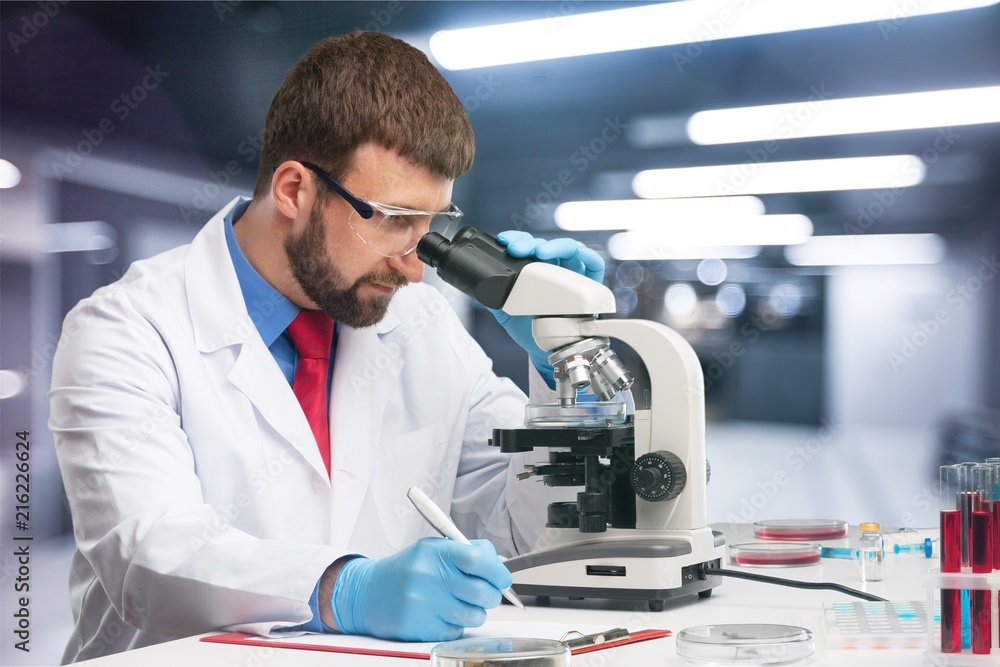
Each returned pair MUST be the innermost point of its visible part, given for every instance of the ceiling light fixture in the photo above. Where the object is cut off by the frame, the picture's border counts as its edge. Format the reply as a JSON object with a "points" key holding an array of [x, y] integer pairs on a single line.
{"points": [[868, 249], [628, 247], [854, 115], [585, 216], [747, 178], [730, 238], [666, 24], [10, 175]]}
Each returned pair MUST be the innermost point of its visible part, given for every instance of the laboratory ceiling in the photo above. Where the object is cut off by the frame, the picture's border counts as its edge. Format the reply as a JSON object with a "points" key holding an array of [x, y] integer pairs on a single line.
{"points": [[546, 131]]}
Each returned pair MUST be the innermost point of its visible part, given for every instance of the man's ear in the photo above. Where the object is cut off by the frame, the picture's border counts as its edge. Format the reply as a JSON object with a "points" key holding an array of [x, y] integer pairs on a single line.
{"points": [[292, 190]]}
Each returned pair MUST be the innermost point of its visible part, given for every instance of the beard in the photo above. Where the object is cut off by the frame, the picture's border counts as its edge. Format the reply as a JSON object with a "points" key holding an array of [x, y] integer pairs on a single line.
{"points": [[325, 284]]}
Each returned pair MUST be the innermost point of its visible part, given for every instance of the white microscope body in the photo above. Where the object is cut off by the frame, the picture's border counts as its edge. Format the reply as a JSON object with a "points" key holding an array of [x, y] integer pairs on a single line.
{"points": [[639, 528], [660, 557]]}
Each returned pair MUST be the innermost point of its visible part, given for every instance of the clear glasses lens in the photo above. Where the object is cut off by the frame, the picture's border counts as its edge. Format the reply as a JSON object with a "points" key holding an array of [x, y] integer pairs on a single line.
{"points": [[389, 236], [394, 235]]}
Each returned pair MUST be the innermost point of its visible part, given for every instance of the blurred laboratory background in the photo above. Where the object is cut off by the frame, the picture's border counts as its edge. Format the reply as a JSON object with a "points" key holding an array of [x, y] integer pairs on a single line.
{"points": [[808, 192]]}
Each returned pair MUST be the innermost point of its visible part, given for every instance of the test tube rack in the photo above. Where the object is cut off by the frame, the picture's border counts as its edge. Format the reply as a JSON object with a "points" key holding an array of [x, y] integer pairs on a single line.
{"points": [[935, 581]]}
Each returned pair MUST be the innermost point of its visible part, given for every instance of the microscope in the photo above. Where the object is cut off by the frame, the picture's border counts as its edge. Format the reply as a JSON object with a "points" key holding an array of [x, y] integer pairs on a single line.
{"points": [[638, 529]]}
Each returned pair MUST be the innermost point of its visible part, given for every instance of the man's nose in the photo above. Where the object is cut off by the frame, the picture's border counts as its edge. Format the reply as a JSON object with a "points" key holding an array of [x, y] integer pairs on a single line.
{"points": [[409, 265]]}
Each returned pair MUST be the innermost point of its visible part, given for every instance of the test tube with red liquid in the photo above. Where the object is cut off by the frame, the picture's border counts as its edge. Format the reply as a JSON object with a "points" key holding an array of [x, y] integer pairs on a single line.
{"points": [[951, 557], [981, 555]]}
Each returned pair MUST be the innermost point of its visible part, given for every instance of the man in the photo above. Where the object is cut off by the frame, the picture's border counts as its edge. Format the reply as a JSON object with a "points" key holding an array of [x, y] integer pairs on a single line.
{"points": [[237, 421]]}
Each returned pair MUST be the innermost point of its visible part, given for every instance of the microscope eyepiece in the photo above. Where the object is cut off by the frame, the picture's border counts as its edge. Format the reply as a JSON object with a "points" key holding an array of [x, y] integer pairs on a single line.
{"points": [[474, 262], [432, 248]]}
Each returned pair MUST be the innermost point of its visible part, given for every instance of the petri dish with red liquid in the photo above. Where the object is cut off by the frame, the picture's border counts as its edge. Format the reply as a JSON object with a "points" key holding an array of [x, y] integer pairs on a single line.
{"points": [[774, 554], [807, 530]]}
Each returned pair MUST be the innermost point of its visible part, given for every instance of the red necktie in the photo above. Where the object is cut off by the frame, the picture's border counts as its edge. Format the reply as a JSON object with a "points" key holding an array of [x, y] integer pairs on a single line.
{"points": [[312, 334]]}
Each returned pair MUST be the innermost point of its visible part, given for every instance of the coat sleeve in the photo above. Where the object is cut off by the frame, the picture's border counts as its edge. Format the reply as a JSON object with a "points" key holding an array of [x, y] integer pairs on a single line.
{"points": [[488, 500], [170, 563]]}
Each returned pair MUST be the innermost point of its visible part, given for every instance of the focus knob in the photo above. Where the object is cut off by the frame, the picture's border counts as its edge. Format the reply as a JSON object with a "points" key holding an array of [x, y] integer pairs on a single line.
{"points": [[658, 476]]}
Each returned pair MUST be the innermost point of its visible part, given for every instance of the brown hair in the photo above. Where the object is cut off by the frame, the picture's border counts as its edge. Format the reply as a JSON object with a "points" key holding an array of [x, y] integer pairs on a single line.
{"points": [[362, 87]]}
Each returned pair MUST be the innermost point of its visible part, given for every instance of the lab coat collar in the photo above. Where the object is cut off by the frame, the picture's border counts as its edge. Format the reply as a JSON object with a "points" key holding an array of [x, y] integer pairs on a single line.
{"points": [[220, 319], [218, 311], [366, 369]]}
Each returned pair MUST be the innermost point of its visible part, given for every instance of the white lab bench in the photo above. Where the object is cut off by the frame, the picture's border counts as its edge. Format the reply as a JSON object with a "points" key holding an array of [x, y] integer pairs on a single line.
{"points": [[734, 601]]}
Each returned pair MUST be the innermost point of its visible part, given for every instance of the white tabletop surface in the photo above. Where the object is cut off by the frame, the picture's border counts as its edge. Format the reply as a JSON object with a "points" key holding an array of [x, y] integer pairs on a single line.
{"points": [[734, 601]]}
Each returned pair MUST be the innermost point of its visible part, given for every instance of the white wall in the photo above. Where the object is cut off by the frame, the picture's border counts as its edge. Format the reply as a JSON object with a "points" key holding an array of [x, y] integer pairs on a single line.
{"points": [[905, 344]]}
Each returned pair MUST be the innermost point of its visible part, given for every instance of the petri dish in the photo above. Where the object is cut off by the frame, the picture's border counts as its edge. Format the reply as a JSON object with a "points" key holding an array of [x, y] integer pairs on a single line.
{"points": [[800, 529], [586, 415], [745, 644], [775, 554], [501, 651]]}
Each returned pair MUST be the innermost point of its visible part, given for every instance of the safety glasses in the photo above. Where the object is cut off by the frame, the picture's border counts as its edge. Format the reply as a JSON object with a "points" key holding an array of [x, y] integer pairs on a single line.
{"points": [[390, 231]]}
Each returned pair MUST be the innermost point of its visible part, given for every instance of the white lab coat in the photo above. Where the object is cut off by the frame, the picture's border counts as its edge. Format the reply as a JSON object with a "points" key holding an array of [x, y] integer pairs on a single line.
{"points": [[198, 494]]}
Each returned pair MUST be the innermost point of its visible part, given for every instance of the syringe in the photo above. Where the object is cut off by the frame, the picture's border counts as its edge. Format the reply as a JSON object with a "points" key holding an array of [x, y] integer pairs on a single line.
{"points": [[926, 548], [839, 552]]}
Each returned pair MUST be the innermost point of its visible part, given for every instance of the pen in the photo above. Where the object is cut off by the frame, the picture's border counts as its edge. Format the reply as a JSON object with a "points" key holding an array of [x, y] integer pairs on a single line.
{"points": [[596, 638], [440, 521]]}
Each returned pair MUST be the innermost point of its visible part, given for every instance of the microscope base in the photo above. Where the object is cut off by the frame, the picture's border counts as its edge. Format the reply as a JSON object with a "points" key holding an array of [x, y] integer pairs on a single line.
{"points": [[619, 570]]}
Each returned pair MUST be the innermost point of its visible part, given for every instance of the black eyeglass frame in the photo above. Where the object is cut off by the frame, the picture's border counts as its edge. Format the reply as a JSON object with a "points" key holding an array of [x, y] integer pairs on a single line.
{"points": [[367, 209], [364, 209]]}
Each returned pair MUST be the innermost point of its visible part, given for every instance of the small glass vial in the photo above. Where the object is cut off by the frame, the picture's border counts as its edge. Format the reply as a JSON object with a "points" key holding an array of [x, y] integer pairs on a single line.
{"points": [[871, 550]]}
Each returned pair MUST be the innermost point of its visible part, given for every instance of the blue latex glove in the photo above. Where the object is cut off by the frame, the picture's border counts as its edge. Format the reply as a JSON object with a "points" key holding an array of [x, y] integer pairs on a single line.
{"points": [[430, 591], [561, 252]]}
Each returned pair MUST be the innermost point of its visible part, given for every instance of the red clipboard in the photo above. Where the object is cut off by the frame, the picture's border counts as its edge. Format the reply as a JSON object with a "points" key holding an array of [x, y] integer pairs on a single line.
{"points": [[242, 639]]}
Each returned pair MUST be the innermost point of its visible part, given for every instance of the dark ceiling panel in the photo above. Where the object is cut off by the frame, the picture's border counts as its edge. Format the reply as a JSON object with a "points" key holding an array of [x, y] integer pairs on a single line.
{"points": [[225, 60]]}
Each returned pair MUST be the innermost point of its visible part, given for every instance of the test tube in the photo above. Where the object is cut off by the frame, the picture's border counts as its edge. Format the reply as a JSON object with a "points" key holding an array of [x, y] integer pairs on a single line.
{"points": [[994, 464], [951, 557], [981, 556]]}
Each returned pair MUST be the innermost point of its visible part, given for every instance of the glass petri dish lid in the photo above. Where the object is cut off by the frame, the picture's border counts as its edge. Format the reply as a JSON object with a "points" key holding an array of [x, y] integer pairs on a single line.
{"points": [[501, 651], [775, 554], [800, 529], [586, 415], [745, 644]]}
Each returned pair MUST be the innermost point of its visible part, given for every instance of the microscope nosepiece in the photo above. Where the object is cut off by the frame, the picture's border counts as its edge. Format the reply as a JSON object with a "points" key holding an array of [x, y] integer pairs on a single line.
{"points": [[611, 367]]}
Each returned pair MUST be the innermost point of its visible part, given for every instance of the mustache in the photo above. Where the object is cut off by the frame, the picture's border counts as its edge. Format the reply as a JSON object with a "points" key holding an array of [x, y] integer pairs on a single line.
{"points": [[389, 278]]}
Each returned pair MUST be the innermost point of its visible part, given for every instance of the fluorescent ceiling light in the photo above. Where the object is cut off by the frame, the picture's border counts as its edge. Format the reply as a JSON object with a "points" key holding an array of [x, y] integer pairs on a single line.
{"points": [[581, 216], [694, 21], [853, 115], [10, 175], [861, 249], [722, 238], [625, 247], [79, 236], [858, 173]]}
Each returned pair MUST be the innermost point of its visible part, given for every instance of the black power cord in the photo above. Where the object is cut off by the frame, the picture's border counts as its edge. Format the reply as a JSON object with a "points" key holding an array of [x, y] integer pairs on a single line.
{"points": [[707, 569]]}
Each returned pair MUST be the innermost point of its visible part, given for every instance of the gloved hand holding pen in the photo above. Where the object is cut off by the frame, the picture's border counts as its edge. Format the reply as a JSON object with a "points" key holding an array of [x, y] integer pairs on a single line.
{"points": [[564, 252], [430, 591]]}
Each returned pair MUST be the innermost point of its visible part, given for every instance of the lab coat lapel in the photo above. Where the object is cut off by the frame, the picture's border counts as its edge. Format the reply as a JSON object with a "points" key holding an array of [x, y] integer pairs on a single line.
{"points": [[365, 371], [220, 320]]}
